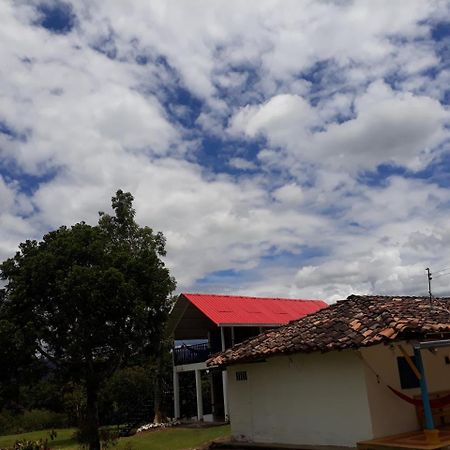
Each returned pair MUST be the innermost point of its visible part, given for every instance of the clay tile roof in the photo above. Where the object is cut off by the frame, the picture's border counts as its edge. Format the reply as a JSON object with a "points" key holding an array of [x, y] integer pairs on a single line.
{"points": [[359, 321]]}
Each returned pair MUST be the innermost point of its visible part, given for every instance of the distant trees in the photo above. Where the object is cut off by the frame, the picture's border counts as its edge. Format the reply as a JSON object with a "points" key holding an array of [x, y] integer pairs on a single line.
{"points": [[88, 299]]}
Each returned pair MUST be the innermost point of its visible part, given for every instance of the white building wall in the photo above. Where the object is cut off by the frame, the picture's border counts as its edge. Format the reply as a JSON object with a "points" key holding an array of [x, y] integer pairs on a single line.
{"points": [[391, 415], [310, 399]]}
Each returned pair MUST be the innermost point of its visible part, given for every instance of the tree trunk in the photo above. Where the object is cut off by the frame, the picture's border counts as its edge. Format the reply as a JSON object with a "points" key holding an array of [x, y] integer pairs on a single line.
{"points": [[91, 425], [157, 392]]}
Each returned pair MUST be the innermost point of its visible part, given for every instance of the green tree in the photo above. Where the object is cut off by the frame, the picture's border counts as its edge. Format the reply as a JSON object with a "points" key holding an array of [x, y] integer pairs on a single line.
{"points": [[18, 361], [91, 298]]}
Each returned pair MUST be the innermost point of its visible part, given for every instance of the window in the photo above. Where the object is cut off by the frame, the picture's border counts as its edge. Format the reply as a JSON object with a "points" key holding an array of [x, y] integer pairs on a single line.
{"points": [[408, 379], [241, 376]]}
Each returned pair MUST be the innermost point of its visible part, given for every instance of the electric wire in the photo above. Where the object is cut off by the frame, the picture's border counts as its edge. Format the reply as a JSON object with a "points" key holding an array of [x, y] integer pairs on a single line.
{"points": [[442, 275], [443, 269]]}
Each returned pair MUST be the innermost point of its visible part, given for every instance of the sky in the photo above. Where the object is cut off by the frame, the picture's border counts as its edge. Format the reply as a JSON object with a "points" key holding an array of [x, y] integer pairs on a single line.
{"points": [[285, 148]]}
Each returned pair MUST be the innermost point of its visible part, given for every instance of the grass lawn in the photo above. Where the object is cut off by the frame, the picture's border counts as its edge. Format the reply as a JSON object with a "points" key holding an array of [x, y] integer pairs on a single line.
{"points": [[63, 439], [177, 438]]}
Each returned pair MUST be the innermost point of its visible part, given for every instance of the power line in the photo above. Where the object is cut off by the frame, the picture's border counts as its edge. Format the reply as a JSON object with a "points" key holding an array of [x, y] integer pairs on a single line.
{"points": [[442, 275]]}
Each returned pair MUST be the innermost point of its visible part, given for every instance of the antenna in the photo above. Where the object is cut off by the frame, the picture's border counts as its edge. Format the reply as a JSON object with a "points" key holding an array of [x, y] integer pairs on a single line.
{"points": [[429, 277]]}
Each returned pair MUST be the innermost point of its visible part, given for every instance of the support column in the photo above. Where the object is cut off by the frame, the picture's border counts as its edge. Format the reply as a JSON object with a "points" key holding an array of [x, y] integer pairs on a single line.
{"points": [[431, 434], [222, 337], [176, 395], [198, 390], [232, 336], [225, 394], [224, 379], [424, 391], [213, 396]]}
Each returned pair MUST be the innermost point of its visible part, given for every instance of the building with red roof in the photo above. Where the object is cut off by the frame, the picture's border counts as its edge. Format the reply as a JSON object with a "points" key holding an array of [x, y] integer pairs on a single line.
{"points": [[204, 324]]}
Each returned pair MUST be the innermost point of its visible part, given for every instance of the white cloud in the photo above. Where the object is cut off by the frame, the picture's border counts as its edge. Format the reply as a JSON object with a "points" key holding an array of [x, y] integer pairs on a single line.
{"points": [[290, 194], [13, 225], [388, 127], [90, 124], [283, 119], [242, 164]]}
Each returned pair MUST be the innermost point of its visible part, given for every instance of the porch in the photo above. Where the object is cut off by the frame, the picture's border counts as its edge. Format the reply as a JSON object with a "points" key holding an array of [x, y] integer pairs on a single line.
{"points": [[191, 359], [412, 440], [191, 354]]}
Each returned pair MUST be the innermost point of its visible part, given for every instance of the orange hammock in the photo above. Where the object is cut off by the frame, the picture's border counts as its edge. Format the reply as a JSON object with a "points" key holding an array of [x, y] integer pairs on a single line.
{"points": [[434, 403]]}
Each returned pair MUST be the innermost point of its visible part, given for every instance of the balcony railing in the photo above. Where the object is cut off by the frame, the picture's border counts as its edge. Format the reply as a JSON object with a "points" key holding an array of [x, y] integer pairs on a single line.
{"points": [[190, 354]]}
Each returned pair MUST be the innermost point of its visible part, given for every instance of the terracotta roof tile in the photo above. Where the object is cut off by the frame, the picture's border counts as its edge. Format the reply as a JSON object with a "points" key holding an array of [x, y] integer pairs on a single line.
{"points": [[359, 321]]}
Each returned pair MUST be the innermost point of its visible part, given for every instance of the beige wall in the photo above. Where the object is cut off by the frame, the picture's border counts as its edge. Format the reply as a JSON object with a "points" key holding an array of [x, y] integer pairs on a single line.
{"points": [[391, 415], [313, 399]]}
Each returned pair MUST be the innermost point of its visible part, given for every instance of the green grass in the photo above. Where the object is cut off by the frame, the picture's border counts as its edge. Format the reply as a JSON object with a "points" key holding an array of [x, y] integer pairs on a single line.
{"points": [[63, 438], [177, 438]]}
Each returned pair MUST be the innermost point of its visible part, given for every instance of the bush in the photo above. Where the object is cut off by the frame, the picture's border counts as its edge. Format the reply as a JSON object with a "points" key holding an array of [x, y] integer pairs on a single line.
{"points": [[127, 393], [74, 403], [108, 437], [36, 419], [8, 422], [40, 419], [29, 445], [40, 444]]}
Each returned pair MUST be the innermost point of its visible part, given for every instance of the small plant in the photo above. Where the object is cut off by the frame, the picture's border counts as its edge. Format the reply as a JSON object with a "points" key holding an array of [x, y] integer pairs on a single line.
{"points": [[39, 444], [108, 437], [149, 426], [24, 444]]}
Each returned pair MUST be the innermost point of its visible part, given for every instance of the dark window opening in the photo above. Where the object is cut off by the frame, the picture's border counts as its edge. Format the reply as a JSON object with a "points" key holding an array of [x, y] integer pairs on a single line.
{"points": [[408, 379]]}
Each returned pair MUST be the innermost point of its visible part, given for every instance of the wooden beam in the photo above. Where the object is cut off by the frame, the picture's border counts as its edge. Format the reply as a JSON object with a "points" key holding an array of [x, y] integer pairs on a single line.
{"points": [[410, 362]]}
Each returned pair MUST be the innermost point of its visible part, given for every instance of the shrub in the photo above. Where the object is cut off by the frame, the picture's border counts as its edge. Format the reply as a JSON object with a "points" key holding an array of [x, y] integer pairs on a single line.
{"points": [[129, 391], [29, 445], [108, 437], [40, 419], [8, 422], [36, 419], [40, 444]]}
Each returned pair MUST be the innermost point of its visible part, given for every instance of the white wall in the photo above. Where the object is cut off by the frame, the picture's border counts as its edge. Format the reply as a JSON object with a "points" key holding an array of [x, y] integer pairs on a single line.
{"points": [[311, 399], [390, 414]]}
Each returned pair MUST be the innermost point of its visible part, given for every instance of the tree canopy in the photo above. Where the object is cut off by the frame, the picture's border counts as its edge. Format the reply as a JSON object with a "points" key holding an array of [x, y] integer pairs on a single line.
{"points": [[90, 299]]}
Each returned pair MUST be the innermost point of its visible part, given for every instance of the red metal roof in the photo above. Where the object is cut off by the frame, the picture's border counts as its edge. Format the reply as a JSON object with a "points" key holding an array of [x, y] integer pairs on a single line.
{"points": [[238, 310]]}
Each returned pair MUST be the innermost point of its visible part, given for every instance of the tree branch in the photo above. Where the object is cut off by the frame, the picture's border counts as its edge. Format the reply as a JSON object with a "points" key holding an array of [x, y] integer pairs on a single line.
{"points": [[48, 356]]}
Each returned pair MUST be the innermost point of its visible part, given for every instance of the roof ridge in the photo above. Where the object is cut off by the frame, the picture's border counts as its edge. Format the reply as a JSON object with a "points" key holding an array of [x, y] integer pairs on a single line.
{"points": [[358, 296], [254, 297]]}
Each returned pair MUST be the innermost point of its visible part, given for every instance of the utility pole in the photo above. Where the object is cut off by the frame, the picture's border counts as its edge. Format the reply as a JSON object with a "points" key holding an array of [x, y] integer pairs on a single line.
{"points": [[429, 282]]}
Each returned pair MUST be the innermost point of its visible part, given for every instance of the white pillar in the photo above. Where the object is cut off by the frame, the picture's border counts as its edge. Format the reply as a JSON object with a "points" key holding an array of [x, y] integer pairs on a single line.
{"points": [[225, 394], [176, 395], [224, 379], [198, 390], [213, 401]]}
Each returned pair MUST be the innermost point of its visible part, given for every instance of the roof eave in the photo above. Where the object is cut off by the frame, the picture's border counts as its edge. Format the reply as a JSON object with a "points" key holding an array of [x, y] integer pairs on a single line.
{"points": [[256, 324]]}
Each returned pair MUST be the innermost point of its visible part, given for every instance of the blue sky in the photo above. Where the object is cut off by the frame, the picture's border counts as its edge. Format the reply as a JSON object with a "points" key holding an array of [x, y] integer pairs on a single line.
{"points": [[288, 148]]}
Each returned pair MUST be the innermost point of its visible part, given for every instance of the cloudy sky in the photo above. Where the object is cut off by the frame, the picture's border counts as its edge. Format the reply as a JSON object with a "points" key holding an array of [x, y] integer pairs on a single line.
{"points": [[289, 148]]}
